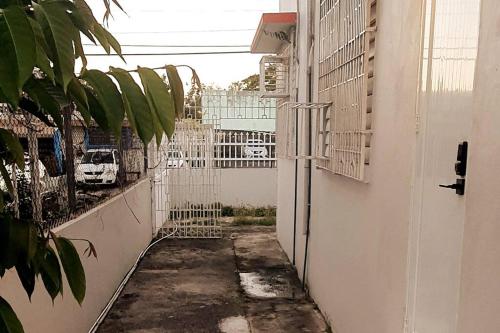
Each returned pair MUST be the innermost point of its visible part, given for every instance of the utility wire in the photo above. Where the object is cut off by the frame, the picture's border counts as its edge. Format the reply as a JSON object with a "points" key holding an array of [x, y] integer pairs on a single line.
{"points": [[179, 46], [180, 31], [163, 54]]}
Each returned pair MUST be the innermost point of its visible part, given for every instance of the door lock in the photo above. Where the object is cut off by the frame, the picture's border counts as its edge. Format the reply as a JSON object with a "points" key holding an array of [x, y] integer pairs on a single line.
{"points": [[459, 186], [461, 164], [460, 169]]}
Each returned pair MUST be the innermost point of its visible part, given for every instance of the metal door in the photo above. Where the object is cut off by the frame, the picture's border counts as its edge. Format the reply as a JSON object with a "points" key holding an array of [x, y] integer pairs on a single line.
{"points": [[445, 108]]}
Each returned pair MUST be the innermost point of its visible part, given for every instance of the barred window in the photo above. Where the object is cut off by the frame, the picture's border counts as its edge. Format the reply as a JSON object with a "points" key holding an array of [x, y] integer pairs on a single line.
{"points": [[274, 76], [346, 57]]}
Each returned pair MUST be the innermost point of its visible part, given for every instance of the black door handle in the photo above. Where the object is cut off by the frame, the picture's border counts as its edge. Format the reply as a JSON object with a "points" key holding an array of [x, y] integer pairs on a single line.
{"points": [[459, 186]]}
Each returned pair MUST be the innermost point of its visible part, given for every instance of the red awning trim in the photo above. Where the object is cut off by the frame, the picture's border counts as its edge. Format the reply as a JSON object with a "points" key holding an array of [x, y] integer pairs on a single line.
{"points": [[272, 32]]}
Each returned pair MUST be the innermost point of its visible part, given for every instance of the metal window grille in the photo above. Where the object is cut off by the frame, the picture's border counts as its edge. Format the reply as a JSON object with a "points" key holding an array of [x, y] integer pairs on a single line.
{"points": [[274, 76], [294, 140], [347, 49]]}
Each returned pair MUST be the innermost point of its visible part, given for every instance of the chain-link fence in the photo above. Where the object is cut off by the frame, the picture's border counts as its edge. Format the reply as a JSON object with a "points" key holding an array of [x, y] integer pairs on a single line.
{"points": [[68, 170]]}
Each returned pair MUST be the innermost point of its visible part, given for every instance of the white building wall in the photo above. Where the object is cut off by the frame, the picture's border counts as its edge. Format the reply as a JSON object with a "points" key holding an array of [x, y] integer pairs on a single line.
{"points": [[254, 187], [356, 269], [287, 190], [288, 5], [480, 287]]}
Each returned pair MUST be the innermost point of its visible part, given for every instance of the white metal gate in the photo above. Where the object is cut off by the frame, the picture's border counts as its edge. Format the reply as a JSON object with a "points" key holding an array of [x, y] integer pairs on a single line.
{"points": [[186, 183], [219, 129]]}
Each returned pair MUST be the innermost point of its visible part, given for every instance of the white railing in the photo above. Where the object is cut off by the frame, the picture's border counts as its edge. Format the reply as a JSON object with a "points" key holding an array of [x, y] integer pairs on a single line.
{"points": [[245, 149]]}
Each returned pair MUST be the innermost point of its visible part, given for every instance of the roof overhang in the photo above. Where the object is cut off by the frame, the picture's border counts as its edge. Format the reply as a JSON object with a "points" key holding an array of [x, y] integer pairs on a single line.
{"points": [[273, 32]]}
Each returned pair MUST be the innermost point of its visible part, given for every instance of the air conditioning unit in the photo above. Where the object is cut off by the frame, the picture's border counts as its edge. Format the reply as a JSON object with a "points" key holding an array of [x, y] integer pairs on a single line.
{"points": [[274, 76]]}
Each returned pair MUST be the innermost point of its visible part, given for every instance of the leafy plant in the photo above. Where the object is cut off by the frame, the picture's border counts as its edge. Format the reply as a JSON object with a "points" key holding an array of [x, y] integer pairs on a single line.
{"points": [[40, 41]]}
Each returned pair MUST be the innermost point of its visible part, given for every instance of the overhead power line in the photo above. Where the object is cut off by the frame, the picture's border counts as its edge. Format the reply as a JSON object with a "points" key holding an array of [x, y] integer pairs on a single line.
{"points": [[164, 54], [180, 31], [178, 46]]}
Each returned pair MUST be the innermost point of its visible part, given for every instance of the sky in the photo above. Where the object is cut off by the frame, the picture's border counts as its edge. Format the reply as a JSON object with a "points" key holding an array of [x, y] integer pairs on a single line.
{"points": [[181, 23]]}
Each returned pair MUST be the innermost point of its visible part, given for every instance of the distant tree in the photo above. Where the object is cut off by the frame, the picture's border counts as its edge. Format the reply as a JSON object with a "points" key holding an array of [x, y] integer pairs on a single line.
{"points": [[192, 101], [250, 83]]}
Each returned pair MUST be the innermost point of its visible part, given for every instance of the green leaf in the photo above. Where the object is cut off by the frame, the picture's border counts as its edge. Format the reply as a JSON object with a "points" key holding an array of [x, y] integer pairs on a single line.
{"points": [[2, 206], [48, 97], [8, 72], [159, 99], [29, 106], [43, 62], [42, 49], [72, 266], [39, 36], [21, 244], [50, 270], [14, 146], [113, 43], [85, 11], [60, 30], [79, 53], [177, 89], [81, 21], [100, 34], [79, 97], [157, 128], [96, 110], [23, 41], [107, 13], [9, 323], [27, 276], [109, 98], [5, 220], [136, 104], [77, 91]]}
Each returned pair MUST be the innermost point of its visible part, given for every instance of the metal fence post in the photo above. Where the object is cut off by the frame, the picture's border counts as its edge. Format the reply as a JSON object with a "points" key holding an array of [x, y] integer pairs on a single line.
{"points": [[36, 190], [122, 176], [70, 158]]}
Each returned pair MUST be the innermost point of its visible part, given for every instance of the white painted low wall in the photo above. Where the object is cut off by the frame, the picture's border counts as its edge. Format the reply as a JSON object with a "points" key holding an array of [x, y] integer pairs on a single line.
{"points": [[118, 238], [254, 187]]}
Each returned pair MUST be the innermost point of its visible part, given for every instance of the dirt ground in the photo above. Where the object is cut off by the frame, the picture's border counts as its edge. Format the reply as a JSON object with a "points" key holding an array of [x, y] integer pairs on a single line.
{"points": [[241, 283]]}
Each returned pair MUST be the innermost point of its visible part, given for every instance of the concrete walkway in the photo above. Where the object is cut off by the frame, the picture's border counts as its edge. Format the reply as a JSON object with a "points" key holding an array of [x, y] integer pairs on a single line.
{"points": [[242, 283]]}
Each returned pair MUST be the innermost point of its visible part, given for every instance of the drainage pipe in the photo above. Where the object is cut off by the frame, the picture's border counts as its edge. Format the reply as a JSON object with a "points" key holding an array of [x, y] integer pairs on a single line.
{"points": [[309, 138], [296, 65], [309, 184]]}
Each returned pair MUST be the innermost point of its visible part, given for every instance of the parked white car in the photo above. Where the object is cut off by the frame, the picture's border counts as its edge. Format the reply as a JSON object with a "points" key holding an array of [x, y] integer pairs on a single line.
{"points": [[98, 167], [175, 159], [255, 148]]}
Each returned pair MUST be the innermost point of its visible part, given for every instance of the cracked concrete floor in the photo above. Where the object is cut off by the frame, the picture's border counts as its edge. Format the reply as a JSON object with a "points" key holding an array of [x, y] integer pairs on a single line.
{"points": [[239, 284]]}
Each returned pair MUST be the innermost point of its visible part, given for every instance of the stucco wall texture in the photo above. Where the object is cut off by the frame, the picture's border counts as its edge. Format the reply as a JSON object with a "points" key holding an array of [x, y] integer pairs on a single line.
{"points": [[480, 290], [255, 187]]}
